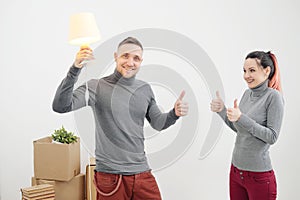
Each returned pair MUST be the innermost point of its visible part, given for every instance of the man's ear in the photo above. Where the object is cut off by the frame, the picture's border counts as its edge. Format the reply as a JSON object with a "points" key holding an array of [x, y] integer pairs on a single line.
{"points": [[115, 56]]}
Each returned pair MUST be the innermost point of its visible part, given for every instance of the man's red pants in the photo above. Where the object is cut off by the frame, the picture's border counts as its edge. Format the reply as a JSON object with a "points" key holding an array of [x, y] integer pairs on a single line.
{"points": [[140, 186]]}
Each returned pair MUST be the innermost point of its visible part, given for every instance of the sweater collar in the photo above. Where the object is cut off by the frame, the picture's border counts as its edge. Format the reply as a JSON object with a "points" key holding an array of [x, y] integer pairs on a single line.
{"points": [[118, 78], [258, 90]]}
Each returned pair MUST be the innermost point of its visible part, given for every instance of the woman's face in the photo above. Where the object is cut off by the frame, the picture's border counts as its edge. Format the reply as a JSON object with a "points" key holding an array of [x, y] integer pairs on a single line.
{"points": [[254, 73]]}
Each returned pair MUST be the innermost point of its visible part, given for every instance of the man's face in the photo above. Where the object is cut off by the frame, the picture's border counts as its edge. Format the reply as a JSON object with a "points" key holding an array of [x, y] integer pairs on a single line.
{"points": [[128, 60]]}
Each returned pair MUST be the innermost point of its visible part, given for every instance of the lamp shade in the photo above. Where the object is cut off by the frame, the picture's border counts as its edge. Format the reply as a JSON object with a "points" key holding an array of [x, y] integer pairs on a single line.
{"points": [[83, 29]]}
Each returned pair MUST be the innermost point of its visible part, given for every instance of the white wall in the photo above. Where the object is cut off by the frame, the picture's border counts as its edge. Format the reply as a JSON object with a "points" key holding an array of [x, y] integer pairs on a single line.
{"points": [[35, 56]]}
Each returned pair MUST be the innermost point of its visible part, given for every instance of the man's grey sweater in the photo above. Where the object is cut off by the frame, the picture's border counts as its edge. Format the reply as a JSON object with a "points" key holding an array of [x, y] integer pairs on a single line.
{"points": [[257, 128], [120, 106]]}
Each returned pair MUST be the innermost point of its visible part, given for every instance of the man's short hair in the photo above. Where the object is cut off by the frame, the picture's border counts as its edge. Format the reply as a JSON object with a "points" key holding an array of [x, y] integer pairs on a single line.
{"points": [[131, 40]]}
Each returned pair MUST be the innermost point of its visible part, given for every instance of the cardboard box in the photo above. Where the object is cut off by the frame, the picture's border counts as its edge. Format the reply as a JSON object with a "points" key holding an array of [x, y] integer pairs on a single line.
{"points": [[91, 193], [56, 161], [65, 190], [43, 191]]}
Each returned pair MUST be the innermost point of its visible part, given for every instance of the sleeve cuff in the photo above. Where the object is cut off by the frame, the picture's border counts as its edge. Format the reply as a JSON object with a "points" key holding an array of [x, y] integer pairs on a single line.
{"points": [[74, 71], [173, 115], [223, 113]]}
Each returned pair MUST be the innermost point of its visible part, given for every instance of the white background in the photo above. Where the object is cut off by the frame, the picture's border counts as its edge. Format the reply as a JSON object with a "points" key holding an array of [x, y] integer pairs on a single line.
{"points": [[35, 56]]}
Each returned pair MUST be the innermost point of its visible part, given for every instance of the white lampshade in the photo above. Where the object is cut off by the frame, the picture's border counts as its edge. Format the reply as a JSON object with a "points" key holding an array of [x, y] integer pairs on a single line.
{"points": [[83, 29]]}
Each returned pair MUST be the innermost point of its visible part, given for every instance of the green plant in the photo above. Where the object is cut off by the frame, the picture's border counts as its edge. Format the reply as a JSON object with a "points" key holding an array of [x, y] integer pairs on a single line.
{"points": [[63, 136]]}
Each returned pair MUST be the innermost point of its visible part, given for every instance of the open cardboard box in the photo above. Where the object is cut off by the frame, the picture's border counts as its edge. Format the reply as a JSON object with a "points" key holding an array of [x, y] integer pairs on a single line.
{"points": [[55, 161]]}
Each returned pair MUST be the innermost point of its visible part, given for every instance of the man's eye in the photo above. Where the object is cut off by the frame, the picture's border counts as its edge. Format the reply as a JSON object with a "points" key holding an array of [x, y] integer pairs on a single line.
{"points": [[125, 55]]}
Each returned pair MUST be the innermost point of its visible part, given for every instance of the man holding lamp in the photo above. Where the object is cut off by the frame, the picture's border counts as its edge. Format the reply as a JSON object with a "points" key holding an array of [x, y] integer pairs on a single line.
{"points": [[120, 103]]}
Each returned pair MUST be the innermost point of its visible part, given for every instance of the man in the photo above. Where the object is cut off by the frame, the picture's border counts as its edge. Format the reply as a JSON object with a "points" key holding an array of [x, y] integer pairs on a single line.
{"points": [[120, 104]]}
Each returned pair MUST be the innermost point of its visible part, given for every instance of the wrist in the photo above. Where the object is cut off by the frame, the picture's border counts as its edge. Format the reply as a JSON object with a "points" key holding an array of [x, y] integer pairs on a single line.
{"points": [[77, 65]]}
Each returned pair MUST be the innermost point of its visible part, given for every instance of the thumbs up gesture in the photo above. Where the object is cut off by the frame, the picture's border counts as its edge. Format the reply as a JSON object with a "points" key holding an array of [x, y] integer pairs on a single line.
{"points": [[217, 104], [234, 113], [181, 107]]}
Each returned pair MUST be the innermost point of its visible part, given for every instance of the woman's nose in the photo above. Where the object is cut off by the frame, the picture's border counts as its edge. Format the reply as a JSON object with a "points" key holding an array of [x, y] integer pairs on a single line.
{"points": [[246, 75]]}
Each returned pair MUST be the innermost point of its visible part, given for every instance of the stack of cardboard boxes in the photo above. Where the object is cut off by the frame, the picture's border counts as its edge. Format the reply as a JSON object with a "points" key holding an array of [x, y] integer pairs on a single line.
{"points": [[38, 192], [59, 165]]}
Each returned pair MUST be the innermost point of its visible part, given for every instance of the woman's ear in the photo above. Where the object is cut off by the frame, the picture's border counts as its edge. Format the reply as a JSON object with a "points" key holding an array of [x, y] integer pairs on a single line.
{"points": [[267, 71]]}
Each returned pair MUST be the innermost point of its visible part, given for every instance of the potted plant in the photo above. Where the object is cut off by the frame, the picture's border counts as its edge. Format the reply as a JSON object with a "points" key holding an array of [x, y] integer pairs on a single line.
{"points": [[63, 136], [57, 156]]}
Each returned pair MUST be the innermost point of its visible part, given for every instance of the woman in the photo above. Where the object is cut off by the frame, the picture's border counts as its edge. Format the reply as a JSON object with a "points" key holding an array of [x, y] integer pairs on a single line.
{"points": [[257, 121]]}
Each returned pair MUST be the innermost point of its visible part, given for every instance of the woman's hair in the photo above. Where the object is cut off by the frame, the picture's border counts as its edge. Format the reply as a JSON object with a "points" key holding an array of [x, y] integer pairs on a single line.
{"points": [[131, 40], [268, 59]]}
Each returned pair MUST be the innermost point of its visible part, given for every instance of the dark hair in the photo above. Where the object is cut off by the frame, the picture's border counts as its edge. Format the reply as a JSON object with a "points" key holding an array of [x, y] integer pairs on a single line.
{"points": [[265, 60], [131, 40], [268, 59]]}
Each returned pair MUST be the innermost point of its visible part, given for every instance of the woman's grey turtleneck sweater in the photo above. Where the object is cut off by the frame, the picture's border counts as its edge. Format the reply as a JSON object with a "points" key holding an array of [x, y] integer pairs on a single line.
{"points": [[120, 106], [257, 129]]}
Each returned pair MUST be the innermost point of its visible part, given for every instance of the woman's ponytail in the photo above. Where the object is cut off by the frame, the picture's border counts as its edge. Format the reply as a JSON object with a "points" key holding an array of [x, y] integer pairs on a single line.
{"points": [[274, 81]]}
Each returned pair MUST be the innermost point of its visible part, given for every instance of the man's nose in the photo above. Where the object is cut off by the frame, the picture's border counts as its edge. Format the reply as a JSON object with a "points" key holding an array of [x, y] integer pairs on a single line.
{"points": [[130, 61]]}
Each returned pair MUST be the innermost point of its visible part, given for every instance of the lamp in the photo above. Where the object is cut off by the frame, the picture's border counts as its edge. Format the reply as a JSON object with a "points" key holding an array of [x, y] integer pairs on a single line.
{"points": [[83, 29]]}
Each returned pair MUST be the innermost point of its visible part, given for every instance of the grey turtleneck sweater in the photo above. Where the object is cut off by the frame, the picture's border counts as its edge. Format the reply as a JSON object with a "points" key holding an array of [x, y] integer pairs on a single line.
{"points": [[120, 106], [257, 128]]}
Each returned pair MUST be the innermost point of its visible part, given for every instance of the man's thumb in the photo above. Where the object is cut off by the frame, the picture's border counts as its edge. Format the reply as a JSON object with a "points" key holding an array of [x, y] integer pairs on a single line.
{"points": [[235, 104], [181, 95]]}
